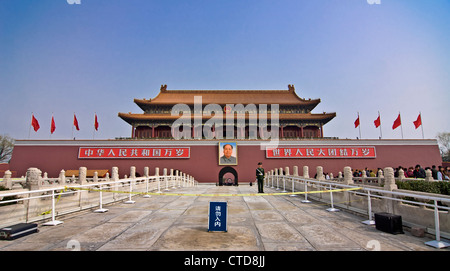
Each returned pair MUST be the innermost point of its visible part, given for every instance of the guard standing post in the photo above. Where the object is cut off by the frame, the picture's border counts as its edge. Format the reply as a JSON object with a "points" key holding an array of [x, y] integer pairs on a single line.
{"points": [[260, 177]]}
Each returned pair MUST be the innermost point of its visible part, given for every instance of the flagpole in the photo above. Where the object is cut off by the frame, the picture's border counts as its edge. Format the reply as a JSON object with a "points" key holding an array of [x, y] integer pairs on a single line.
{"points": [[29, 128], [359, 126], [73, 124], [421, 124], [93, 133], [381, 134], [401, 126], [51, 127]]}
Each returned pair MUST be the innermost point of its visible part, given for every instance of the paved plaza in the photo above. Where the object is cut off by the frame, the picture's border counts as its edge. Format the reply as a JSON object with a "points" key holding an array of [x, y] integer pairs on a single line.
{"points": [[255, 223]]}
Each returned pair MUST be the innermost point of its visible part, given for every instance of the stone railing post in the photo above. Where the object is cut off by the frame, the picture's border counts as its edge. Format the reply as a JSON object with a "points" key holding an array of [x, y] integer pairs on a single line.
{"points": [[389, 180], [172, 178], [429, 175], [133, 172], [177, 178], [62, 177], [319, 173], [115, 178], [7, 181], [115, 174], [380, 176], [363, 176], [84, 197], [286, 171], [82, 175], [389, 184], [401, 174], [33, 179], [158, 183], [305, 172], [165, 179], [348, 176]]}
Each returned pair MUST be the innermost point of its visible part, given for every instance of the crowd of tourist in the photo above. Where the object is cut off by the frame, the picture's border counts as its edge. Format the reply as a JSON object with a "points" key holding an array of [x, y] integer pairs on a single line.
{"points": [[440, 174]]}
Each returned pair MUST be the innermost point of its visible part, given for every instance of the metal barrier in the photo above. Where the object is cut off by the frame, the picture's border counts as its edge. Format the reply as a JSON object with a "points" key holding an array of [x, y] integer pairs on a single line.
{"points": [[370, 193], [55, 193]]}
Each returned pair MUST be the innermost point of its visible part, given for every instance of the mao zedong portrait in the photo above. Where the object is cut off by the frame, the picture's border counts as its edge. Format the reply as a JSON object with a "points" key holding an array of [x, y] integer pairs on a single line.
{"points": [[227, 153]]}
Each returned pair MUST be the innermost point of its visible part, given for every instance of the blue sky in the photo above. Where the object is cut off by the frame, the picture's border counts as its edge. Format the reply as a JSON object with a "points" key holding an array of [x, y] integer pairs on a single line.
{"points": [[100, 55]]}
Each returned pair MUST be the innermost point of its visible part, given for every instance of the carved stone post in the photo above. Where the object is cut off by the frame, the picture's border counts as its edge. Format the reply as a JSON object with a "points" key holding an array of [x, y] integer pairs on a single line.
{"points": [[84, 196], [33, 179], [133, 172], [305, 172], [62, 177], [380, 176], [389, 180], [319, 172], [82, 175], [158, 183], [115, 178], [348, 177], [429, 175], [401, 174], [389, 184], [115, 174], [7, 181]]}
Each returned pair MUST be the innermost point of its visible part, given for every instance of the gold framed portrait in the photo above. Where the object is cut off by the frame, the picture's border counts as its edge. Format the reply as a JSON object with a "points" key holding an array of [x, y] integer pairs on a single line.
{"points": [[228, 153]]}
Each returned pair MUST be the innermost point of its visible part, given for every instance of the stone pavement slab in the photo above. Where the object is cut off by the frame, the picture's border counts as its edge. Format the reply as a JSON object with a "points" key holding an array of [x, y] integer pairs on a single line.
{"points": [[180, 223]]}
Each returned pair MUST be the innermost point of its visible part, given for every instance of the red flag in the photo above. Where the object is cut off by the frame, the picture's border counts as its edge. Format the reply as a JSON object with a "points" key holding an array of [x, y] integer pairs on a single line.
{"points": [[34, 123], [377, 122], [75, 122], [418, 121], [96, 123], [53, 126], [357, 122], [397, 122]]}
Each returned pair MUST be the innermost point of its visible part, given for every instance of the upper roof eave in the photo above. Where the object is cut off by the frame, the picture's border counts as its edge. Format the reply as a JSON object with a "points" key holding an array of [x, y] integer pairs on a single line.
{"points": [[282, 97], [324, 117]]}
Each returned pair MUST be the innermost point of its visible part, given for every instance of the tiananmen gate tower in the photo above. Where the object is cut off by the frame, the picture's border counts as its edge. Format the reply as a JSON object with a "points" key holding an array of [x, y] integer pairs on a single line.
{"points": [[217, 136]]}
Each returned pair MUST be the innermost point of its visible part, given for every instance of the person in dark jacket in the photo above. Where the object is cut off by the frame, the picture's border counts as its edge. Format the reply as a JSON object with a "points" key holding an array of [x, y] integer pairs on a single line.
{"points": [[419, 172], [260, 177]]}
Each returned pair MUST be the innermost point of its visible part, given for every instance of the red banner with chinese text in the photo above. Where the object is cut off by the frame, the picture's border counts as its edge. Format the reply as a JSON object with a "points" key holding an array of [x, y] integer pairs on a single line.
{"points": [[132, 152], [322, 152]]}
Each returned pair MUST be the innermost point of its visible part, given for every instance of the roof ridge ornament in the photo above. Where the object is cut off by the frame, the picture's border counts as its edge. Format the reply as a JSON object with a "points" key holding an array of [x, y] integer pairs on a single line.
{"points": [[163, 88], [291, 88]]}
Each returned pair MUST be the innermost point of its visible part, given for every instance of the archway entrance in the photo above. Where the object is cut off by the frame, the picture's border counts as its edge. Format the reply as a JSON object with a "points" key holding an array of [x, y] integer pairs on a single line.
{"points": [[228, 176]]}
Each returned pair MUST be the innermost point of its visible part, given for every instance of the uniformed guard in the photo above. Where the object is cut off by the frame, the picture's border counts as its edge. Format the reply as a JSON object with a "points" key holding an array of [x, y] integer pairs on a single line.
{"points": [[260, 177]]}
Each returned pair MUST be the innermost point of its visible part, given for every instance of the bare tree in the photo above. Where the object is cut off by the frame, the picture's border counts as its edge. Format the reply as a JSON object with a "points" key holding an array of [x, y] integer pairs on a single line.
{"points": [[444, 145], [6, 148]]}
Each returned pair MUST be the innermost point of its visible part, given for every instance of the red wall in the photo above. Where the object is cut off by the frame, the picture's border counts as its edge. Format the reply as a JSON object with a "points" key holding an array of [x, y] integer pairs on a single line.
{"points": [[52, 156]]}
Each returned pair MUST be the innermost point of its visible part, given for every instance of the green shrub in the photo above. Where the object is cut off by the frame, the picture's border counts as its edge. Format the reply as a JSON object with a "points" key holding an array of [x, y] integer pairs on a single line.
{"points": [[424, 186]]}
